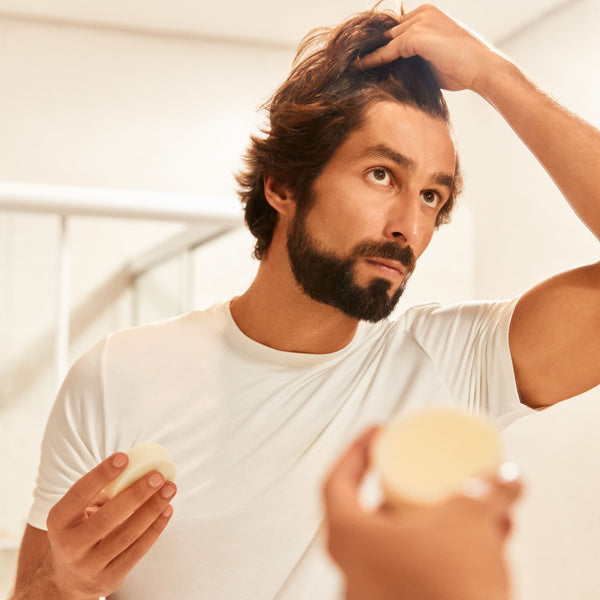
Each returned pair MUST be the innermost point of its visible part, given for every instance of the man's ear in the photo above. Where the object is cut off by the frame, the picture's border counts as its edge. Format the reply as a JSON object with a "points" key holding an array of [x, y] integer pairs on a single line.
{"points": [[279, 196]]}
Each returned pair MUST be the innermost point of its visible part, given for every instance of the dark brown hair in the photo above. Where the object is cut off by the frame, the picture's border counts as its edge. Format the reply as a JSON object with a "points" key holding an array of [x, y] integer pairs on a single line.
{"points": [[319, 104]]}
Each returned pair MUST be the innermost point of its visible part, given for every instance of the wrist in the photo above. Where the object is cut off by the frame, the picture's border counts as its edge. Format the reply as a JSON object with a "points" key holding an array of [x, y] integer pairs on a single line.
{"points": [[495, 76], [45, 585]]}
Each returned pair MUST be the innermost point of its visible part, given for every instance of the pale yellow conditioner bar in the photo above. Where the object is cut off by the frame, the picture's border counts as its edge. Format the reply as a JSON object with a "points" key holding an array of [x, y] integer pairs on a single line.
{"points": [[425, 456], [143, 458]]}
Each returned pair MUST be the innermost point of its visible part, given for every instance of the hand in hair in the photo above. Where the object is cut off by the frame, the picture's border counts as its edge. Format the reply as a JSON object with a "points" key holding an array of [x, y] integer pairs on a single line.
{"points": [[459, 59], [452, 551]]}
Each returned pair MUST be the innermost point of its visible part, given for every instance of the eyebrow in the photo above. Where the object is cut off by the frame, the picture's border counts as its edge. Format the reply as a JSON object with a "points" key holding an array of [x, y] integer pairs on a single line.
{"points": [[444, 179], [381, 150]]}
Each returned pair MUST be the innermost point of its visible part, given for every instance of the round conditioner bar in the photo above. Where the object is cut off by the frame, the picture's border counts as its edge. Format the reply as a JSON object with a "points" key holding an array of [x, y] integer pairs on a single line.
{"points": [[426, 456], [143, 458]]}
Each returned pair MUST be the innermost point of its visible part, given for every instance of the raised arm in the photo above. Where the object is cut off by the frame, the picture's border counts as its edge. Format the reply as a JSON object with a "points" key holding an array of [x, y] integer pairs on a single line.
{"points": [[555, 331]]}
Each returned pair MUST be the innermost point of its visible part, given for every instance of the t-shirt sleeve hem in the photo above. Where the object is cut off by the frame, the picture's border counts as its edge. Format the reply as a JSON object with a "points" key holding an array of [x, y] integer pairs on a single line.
{"points": [[513, 408], [37, 518]]}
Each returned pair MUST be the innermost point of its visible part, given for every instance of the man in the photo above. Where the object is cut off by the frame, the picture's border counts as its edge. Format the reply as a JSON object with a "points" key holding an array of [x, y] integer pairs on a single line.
{"points": [[254, 399]]}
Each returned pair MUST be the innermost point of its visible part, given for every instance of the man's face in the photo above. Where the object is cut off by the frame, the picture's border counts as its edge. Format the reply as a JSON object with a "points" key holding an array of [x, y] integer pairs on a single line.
{"points": [[374, 212]]}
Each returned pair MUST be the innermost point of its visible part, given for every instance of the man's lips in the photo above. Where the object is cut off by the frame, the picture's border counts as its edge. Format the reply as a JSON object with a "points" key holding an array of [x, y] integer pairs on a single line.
{"points": [[392, 267]]}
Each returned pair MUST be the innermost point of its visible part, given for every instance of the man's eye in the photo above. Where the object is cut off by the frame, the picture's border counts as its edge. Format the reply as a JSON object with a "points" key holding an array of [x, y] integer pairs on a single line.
{"points": [[380, 176], [431, 198]]}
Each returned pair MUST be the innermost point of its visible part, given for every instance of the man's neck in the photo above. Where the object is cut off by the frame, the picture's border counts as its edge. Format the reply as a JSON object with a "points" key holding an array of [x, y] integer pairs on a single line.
{"points": [[274, 311]]}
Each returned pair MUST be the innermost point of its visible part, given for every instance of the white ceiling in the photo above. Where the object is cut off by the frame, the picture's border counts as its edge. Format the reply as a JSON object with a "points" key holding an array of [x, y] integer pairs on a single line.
{"points": [[265, 21]]}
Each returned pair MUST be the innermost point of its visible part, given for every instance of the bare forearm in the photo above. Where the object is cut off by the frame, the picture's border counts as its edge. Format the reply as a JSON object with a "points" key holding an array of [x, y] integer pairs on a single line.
{"points": [[566, 146]]}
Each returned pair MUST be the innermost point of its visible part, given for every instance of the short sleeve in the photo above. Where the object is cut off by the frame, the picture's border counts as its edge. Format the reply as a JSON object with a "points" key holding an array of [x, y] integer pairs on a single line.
{"points": [[468, 343], [74, 436]]}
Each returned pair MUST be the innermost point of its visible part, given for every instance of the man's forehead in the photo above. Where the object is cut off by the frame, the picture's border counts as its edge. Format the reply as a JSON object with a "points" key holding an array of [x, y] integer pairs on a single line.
{"points": [[384, 109], [405, 135]]}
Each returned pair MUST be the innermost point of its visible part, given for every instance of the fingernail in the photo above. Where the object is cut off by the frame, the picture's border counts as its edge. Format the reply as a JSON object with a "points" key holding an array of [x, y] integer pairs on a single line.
{"points": [[475, 488], [167, 491], [156, 480], [119, 460], [167, 512], [509, 472]]}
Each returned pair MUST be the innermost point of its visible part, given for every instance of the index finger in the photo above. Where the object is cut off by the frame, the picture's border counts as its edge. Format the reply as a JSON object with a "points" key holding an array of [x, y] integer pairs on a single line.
{"points": [[342, 484], [388, 52], [394, 49], [72, 505]]}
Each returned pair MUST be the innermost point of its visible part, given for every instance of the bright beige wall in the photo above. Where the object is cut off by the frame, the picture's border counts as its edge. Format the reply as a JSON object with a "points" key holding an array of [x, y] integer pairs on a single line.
{"points": [[524, 230], [100, 108]]}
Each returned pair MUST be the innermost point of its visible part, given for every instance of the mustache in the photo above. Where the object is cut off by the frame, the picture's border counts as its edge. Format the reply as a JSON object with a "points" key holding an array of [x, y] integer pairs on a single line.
{"points": [[386, 250]]}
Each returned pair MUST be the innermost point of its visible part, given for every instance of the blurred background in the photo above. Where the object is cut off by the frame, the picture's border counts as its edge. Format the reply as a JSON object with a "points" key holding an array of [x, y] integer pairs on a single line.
{"points": [[122, 124]]}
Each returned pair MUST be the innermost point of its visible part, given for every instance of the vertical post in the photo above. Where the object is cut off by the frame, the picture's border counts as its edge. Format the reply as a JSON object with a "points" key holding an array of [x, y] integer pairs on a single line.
{"points": [[186, 300], [63, 302], [191, 280], [135, 299], [181, 283]]}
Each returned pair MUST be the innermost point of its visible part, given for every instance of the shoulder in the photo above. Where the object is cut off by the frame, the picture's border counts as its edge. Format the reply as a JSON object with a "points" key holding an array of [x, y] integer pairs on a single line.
{"points": [[168, 334], [434, 326], [133, 346], [464, 315]]}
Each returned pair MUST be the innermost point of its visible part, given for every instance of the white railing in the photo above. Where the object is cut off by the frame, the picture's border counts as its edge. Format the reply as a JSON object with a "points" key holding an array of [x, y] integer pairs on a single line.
{"points": [[208, 218], [124, 204]]}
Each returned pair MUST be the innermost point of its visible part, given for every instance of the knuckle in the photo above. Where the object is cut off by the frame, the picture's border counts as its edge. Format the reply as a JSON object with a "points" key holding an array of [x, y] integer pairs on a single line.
{"points": [[140, 491], [419, 28], [104, 519], [389, 51], [137, 552], [127, 537], [104, 471], [157, 502], [74, 495], [159, 524], [69, 546]]}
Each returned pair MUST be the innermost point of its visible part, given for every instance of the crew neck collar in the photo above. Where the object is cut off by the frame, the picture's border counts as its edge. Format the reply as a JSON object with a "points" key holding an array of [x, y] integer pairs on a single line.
{"points": [[260, 352]]}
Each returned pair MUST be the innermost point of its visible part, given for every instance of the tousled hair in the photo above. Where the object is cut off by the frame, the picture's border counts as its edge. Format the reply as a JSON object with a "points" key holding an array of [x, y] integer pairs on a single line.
{"points": [[322, 100]]}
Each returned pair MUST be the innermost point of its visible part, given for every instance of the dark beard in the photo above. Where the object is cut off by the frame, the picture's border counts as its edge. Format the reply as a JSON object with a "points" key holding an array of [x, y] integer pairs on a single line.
{"points": [[329, 279]]}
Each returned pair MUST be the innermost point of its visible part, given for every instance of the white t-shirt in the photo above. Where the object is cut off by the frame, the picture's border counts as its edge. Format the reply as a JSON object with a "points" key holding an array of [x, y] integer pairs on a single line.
{"points": [[254, 430]]}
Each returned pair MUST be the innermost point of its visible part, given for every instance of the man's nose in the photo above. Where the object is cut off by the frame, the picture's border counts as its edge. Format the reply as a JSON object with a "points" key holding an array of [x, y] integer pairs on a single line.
{"points": [[405, 222]]}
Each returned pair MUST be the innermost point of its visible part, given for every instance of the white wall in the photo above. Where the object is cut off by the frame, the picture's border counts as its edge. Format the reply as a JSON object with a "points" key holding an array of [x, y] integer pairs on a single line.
{"points": [[92, 107], [524, 230]]}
